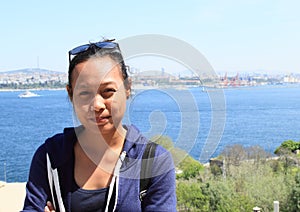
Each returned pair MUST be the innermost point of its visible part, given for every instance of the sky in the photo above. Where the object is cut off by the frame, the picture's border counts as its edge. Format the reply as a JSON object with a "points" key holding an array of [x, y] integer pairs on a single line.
{"points": [[233, 35]]}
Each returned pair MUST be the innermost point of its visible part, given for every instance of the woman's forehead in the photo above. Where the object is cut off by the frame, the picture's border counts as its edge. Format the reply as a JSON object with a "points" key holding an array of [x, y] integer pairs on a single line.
{"points": [[99, 69]]}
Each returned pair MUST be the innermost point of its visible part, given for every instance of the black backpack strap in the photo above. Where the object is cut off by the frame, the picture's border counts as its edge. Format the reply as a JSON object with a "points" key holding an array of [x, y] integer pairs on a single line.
{"points": [[146, 168]]}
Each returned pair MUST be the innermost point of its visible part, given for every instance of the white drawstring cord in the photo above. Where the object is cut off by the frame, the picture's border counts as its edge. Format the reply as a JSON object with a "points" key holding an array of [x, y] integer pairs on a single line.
{"points": [[115, 180], [54, 178]]}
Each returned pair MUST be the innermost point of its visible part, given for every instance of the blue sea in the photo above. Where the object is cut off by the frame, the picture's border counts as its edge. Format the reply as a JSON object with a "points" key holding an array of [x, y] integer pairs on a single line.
{"points": [[201, 121]]}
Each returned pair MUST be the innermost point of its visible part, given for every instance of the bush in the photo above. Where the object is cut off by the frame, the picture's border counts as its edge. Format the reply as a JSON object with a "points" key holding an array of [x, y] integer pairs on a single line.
{"points": [[287, 147], [191, 198], [294, 196], [190, 167]]}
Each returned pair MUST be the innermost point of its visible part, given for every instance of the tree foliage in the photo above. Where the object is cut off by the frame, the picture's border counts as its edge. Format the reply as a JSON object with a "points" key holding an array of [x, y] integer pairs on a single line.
{"points": [[188, 166], [191, 198], [287, 147], [243, 178], [293, 204]]}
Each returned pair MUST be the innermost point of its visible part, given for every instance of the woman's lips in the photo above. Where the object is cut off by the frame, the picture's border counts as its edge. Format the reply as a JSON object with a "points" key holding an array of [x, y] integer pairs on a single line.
{"points": [[102, 120]]}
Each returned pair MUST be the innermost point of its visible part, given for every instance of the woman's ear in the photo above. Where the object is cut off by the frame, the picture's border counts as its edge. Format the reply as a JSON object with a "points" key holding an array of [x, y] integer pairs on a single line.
{"points": [[70, 92], [128, 87]]}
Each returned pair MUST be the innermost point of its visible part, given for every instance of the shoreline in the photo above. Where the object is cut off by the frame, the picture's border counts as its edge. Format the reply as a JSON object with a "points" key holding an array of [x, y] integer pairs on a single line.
{"points": [[177, 87], [30, 89]]}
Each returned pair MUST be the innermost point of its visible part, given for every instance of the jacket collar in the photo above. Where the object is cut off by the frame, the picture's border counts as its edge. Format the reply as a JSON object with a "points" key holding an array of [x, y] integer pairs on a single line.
{"points": [[134, 142], [61, 146]]}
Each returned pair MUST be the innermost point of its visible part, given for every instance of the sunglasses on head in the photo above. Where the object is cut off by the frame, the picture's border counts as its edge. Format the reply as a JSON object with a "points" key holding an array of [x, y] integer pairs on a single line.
{"points": [[102, 45]]}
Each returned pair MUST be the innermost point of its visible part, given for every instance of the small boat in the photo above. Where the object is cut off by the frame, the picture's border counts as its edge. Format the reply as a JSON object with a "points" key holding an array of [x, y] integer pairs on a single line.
{"points": [[28, 94]]}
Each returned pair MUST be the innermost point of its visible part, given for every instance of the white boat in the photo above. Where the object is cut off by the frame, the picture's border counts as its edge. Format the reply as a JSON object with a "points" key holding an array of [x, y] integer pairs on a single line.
{"points": [[28, 94]]}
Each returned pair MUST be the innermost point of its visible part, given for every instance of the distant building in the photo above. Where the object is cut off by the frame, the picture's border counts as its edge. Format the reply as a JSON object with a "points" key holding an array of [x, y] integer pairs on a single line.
{"points": [[32, 78]]}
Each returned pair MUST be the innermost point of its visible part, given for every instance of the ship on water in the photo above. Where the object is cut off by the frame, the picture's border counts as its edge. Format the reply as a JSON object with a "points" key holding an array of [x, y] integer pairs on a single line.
{"points": [[28, 94]]}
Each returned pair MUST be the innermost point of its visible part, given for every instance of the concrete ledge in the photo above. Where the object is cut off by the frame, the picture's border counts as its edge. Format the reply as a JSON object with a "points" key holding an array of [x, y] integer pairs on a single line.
{"points": [[12, 196]]}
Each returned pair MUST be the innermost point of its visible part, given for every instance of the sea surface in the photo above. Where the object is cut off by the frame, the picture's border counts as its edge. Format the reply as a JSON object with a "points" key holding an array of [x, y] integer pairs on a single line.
{"points": [[201, 121]]}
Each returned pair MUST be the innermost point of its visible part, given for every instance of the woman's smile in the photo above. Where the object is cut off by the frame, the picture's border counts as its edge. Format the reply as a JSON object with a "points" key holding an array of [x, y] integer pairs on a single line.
{"points": [[101, 120]]}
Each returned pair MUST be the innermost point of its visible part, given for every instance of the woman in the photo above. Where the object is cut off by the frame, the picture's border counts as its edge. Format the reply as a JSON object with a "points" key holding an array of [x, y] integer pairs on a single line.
{"points": [[96, 166]]}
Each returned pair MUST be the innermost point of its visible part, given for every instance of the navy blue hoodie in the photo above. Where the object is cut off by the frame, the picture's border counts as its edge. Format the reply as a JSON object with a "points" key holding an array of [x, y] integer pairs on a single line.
{"points": [[161, 195]]}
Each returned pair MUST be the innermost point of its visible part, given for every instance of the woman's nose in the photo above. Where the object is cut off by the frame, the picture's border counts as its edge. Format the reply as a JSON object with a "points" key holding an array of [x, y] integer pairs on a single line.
{"points": [[98, 103]]}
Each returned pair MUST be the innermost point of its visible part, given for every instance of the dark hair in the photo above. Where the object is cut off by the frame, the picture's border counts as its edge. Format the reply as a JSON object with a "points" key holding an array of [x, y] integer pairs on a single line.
{"points": [[94, 51]]}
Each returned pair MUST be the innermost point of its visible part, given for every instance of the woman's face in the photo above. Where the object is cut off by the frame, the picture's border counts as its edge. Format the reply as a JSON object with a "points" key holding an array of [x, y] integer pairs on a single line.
{"points": [[99, 96]]}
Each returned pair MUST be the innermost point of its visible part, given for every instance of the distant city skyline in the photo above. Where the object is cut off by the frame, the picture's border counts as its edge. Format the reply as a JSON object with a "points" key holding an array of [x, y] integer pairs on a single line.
{"points": [[234, 36], [176, 72]]}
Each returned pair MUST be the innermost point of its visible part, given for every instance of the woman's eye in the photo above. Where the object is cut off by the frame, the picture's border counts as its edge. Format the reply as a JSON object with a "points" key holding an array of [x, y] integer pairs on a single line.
{"points": [[110, 90], [106, 93], [84, 93]]}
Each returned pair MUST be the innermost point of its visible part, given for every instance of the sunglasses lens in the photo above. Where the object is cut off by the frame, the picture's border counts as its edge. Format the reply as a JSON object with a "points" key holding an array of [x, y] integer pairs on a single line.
{"points": [[79, 49], [102, 45], [106, 45]]}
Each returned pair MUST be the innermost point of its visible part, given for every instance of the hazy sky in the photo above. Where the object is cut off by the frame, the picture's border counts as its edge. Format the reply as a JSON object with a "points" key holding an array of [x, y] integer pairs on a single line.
{"points": [[233, 35]]}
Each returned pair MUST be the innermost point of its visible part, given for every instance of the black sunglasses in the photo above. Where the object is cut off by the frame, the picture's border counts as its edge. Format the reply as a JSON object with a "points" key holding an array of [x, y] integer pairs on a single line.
{"points": [[85, 47]]}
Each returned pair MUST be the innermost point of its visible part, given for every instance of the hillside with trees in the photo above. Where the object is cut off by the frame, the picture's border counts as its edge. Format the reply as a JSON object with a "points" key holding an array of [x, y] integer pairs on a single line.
{"points": [[239, 179]]}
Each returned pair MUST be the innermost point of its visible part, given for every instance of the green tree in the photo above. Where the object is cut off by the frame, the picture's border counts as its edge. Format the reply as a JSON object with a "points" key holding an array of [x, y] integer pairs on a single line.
{"points": [[288, 145], [189, 166], [294, 197], [216, 170], [164, 141], [222, 197], [190, 197]]}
